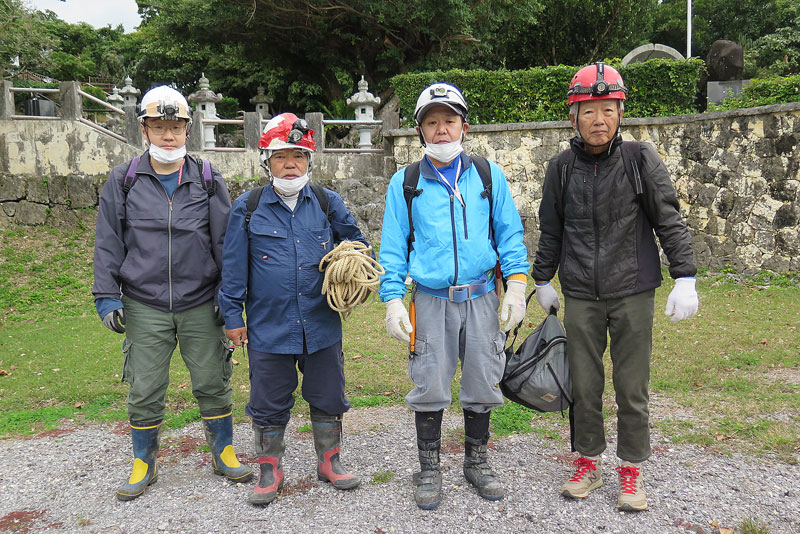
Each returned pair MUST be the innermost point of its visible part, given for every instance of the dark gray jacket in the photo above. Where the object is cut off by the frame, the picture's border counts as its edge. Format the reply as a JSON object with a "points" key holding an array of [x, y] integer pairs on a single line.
{"points": [[167, 255], [598, 237]]}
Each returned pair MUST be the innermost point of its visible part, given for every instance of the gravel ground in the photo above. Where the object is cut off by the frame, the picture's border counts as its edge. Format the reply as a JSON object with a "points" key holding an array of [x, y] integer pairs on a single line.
{"points": [[64, 481]]}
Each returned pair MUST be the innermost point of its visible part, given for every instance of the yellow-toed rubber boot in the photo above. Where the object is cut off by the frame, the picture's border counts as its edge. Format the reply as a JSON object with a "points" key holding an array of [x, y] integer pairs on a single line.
{"points": [[219, 434], [145, 463]]}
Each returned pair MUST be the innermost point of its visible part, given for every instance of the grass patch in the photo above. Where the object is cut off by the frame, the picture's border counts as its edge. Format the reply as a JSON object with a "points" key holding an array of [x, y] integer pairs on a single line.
{"points": [[731, 374], [753, 526], [381, 477]]}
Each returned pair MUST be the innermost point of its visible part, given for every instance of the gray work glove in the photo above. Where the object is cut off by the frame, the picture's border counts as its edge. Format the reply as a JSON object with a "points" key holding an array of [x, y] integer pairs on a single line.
{"points": [[513, 309], [547, 297], [115, 321]]}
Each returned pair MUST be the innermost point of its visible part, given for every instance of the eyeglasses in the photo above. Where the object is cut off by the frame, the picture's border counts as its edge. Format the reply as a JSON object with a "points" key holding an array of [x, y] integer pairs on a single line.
{"points": [[160, 129]]}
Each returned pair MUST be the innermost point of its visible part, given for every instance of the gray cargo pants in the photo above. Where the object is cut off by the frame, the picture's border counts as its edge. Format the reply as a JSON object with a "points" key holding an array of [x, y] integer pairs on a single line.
{"points": [[449, 332], [628, 321]]}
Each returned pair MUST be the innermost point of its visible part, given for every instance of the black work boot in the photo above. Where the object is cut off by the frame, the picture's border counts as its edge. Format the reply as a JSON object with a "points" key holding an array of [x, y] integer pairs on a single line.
{"points": [[327, 431], [476, 468], [428, 481], [145, 462], [269, 448]]}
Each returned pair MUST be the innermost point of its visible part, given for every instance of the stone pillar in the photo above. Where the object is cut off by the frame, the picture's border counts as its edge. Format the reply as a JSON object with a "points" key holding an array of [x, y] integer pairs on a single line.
{"points": [[133, 130], [252, 129], [364, 104], [314, 121], [71, 101], [6, 100], [194, 143]]}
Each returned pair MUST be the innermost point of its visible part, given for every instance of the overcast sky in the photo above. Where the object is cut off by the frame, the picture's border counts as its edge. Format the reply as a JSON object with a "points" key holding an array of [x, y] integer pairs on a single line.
{"points": [[98, 13]]}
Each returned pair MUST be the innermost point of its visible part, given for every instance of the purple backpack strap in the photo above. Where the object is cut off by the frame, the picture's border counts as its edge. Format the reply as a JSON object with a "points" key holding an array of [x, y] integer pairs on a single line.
{"points": [[208, 179], [130, 176]]}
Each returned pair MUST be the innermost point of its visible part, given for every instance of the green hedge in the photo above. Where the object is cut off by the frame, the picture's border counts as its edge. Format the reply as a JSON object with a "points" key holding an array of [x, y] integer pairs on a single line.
{"points": [[763, 92], [657, 87]]}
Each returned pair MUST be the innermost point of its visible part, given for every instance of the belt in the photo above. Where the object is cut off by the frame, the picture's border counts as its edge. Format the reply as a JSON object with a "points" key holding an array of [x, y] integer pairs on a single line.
{"points": [[459, 293]]}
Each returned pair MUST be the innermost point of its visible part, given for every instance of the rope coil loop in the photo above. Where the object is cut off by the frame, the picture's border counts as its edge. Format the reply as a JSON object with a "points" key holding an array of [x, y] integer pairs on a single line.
{"points": [[351, 274]]}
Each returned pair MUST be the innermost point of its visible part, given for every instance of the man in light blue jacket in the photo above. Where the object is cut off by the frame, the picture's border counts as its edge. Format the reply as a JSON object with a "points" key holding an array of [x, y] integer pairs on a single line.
{"points": [[446, 226]]}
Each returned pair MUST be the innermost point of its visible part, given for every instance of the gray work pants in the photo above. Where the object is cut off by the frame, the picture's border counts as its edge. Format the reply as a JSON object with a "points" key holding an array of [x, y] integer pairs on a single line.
{"points": [[628, 322], [449, 332]]}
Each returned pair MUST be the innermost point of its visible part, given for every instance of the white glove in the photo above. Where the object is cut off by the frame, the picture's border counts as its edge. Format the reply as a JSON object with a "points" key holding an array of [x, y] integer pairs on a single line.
{"points": [[513, 309], [397, 320], [682, 302], [547, 297]]}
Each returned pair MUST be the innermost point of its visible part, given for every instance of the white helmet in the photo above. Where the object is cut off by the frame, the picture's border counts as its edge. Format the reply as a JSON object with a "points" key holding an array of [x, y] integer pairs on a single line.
{"points": [[164, 102], [440, 93]]}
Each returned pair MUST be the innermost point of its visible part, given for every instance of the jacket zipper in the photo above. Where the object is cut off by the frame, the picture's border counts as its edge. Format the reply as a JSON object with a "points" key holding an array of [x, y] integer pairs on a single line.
{"points": [[169, 256], [596, 233]]}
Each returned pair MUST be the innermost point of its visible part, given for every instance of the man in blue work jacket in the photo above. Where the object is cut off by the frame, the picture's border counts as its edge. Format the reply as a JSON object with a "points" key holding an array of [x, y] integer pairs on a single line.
{"points": [[449, 245], [270, 266]]}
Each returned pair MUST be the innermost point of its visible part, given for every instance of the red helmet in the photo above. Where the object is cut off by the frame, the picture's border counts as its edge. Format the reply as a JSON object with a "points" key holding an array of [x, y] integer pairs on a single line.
{"points": [[287, 131], [596, 82]]}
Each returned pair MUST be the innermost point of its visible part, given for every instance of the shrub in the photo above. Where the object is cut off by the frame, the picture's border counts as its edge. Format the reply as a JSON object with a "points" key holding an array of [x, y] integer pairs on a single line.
{"points": [[763, 92]]}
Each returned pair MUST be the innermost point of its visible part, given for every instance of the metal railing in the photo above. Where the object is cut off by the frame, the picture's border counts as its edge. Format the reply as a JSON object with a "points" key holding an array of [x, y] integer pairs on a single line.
{"points": [[40, 90]]}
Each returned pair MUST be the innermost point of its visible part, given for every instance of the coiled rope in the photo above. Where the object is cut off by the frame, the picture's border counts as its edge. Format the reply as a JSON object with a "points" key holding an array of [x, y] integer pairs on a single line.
{"points": [[351, 274]]}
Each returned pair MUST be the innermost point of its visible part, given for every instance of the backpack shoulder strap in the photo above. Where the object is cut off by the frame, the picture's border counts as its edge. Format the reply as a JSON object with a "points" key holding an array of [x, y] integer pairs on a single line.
{"points": [[250, 207], [130, 176], [410, 182], [485, 172], [322, 198], [631, 152], [208, 179]]}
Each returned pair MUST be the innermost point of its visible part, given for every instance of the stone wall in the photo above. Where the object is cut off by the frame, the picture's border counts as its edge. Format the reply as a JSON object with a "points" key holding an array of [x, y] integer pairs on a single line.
{"points": [[736, 172]]}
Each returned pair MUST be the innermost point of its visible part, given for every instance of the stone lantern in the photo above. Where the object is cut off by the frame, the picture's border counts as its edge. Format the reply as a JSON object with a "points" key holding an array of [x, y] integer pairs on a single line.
{"points": [[262, 101], [364, 104], [129, 93], [206, 101], [115, 99]]}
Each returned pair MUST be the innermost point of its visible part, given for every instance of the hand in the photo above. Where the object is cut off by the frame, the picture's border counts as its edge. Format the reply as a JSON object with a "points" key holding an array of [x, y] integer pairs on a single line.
{"points": [[513, 309], [547, 297], [682, 302], [398, 324], [115, 321], [237, 335]]}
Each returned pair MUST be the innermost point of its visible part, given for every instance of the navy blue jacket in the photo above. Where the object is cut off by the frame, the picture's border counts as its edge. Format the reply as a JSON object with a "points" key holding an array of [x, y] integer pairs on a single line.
{"points": [[272, 270]]}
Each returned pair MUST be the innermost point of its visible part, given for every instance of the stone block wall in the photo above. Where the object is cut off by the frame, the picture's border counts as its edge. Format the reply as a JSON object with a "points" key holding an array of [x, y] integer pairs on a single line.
{"points": [[737, 174]]}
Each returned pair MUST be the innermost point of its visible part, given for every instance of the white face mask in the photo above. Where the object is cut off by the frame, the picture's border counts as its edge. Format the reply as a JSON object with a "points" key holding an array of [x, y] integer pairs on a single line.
{"points": [[290, 187], [165, 156], [444, 152]]}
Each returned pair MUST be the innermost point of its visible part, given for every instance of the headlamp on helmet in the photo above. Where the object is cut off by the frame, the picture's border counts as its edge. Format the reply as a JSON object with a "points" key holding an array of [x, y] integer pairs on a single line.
{"points": [[165, 103], [596, 82]]}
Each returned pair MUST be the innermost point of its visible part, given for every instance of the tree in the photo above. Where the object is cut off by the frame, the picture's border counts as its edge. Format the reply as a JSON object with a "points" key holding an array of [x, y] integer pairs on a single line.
{"points": [[23, 38]]}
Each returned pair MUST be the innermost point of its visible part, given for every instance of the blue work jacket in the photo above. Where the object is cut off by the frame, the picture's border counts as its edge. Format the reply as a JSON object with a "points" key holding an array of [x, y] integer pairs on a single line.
{"points": [[451, 242], [272, 271]]}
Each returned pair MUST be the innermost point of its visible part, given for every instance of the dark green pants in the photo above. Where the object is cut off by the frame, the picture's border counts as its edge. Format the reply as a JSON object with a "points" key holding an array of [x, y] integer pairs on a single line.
{"points": [[150, 339], [628, 322]]}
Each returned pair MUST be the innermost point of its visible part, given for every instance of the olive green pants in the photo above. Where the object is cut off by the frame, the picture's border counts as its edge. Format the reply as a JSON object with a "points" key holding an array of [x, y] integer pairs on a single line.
{"points": [[150, 339], [628, 322]]}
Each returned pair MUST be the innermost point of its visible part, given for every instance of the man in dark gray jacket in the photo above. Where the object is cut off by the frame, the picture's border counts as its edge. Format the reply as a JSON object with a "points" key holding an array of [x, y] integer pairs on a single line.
{"points": [[157, 268], [597, 221]]}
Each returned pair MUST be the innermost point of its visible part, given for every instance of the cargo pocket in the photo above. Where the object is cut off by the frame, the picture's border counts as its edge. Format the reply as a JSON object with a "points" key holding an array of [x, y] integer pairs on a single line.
{"points": [[499, 361], [419, 364], [227, 363], [127, 364]]}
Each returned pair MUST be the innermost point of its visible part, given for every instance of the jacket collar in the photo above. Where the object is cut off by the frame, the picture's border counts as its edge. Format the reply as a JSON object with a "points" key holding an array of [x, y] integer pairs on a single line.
{"points": [[429, 172], [578, 148]]}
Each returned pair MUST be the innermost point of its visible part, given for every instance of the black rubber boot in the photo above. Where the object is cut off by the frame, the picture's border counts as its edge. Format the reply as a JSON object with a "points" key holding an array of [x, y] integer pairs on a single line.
{"points": [[327, 431], [269, 448], [428, 481], [145, 463], [476, 468], [219, 434]]}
